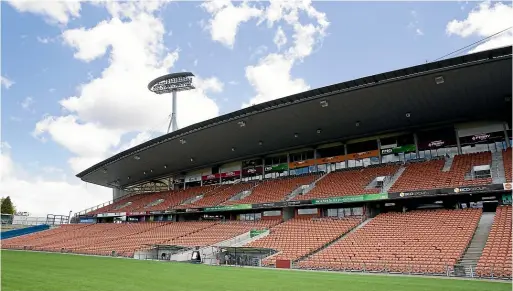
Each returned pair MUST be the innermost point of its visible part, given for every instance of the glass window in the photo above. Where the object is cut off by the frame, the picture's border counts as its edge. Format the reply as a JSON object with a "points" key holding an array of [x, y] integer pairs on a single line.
{"points": [[304, 211], [272, 213], [332, 212], [358, 211]]}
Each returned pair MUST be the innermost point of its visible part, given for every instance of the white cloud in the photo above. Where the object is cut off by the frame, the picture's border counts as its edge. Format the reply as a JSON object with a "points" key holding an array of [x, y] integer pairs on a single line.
{"points": [[260, 50], [271, 76], [27, 103], [75, 136], [53, 11], [42, 195], [45, 40], [415, 23], [226, 18], [280, 39], [271, 79], [6, 83], [117, 102], [485, 20]]}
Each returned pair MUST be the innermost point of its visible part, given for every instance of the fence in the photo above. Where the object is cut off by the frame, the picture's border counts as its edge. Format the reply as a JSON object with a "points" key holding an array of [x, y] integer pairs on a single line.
{"points": [[467, 271]]}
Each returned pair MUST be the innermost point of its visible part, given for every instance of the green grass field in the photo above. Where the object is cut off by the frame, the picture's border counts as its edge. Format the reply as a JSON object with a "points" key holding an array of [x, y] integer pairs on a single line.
{"points": [[43, 271]]}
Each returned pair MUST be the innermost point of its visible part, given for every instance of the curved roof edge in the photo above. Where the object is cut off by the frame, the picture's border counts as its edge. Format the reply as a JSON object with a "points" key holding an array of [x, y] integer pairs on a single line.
{"points": [[308, 95], [169, 76]]}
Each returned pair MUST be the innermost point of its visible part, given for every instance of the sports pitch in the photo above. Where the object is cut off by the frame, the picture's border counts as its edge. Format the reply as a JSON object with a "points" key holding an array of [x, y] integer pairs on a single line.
{"points": [[55, 272]]}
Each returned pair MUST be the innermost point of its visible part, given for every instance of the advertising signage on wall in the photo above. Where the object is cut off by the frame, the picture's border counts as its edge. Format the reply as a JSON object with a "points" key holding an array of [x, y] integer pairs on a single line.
{"points": [[276, 168], [399, 149], [362, 155], [228, 207], [346, 199], [506, 199], [220, 175], [482, 138], [410, 194], [331, 160], [281, 204], [336, 159], [434, 139], [447, 191], [251, 163], [211, 177], [230, 174], [252, 171], [301, 164]]}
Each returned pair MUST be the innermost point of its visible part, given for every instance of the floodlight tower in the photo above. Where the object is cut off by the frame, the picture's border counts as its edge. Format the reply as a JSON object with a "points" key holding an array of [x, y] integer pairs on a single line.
{"points": [[172, 83]]}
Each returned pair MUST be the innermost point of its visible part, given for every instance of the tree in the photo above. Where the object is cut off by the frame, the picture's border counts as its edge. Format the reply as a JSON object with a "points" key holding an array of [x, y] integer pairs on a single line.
{"points": [[7, 207]]}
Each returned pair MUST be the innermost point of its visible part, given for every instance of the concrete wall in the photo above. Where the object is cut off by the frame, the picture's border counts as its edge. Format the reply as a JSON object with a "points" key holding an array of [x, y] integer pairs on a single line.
{"points": [[235, 166], [116, 193], [146, 255], [288, 213]]}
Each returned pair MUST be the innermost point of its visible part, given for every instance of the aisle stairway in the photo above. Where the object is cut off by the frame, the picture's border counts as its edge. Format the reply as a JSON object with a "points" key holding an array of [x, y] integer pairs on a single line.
{"points": [[467, 264]]}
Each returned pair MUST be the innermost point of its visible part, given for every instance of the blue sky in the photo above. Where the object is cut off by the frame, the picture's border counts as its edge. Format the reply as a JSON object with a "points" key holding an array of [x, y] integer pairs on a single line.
{"points": [[74, 73]]}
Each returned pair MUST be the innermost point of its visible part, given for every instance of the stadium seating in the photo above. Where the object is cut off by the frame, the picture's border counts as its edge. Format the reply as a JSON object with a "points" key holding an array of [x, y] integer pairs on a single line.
{"points": [[427, 241], [219, 195], [273, 190], [154, 201], [496, 258], [298, 237], [30, 240], [221, 232], [104, 238], [506, 156], [414, 177], [121, 203], [349, 182]]}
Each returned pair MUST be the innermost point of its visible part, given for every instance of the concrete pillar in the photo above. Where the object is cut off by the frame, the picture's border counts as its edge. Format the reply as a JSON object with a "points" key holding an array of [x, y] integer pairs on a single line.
{"points": [[504, 126], [263, 168], [457, 141], [416, 141], [345, 153], [288, 213], [315, 159], [288, 162], [379, 149]]}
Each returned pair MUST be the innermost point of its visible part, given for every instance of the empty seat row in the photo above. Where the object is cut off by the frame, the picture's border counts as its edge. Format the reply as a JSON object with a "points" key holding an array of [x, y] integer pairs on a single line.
{"points": [[299, 237], [429, 241], [350, 182], [495, 260], [430, 174]]}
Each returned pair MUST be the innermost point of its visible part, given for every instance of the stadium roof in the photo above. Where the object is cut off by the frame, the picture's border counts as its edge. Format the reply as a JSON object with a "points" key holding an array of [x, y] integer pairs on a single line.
{"points": [[476, 86]]}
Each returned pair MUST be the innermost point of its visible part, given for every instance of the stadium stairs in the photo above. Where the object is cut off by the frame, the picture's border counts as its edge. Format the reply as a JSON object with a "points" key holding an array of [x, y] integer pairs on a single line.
{"points": [[467, 264], [497, 168], [393, 179], [240, 195], [334, 241], [24, 231], [448, 164], [304, 190]]}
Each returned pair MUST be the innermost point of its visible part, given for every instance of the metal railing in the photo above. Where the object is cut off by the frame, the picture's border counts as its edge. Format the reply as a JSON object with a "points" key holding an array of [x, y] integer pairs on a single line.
{"points": [[466, 271]]}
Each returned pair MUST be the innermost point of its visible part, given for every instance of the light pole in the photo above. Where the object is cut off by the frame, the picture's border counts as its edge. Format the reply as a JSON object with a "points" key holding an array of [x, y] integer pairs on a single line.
{"points": [[172, 83]]}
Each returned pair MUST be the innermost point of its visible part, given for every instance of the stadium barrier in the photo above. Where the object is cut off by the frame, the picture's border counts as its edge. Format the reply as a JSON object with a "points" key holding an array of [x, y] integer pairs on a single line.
{"points": [[23, 231], [467, 271]]}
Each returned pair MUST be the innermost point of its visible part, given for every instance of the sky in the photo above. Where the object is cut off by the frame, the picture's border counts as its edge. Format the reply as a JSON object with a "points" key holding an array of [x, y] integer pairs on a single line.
{"points": [[74, 74]]}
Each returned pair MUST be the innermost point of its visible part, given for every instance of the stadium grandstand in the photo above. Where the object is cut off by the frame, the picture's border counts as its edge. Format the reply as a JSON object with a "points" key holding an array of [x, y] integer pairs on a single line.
{"points": [[408, 171]]}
